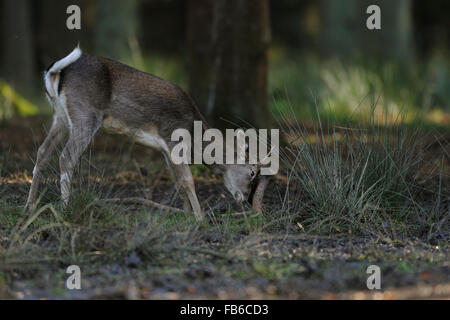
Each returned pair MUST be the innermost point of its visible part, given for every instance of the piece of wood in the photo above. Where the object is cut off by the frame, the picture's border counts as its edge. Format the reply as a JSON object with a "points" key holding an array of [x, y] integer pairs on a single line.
{"points": [[144, 202], [258, 194]]}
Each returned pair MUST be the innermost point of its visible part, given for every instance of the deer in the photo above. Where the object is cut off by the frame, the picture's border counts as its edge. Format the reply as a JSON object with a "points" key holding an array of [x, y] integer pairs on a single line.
{"points": [[87, 93]]}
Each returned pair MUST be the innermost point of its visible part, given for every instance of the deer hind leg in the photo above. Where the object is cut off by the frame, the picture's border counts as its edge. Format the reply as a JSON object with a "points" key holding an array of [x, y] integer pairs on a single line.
{"points": [[83, 129], [55, 135]]}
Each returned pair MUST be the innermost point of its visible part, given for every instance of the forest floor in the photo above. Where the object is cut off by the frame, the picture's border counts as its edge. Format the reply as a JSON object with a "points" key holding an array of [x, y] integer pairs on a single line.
{"points": [[136, 252]]}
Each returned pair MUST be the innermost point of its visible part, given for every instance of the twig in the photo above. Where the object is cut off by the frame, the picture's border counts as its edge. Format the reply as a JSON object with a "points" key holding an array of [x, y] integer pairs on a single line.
{"points": [[43, 228], [351, 129], [202, 251], [144, 202], [150, 203], [258, 194], [19, 262], [242, 213]]}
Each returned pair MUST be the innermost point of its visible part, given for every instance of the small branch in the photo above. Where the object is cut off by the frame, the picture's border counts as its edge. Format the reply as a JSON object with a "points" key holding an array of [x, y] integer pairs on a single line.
{"points": [[150, 203], [201, 251], [258, 194], [351, 129], [144, 202], [10, 263], [242, 213]]}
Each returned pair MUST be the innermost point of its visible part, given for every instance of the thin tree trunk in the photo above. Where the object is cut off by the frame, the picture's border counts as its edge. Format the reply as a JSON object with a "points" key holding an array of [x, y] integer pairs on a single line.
{"points": [[54, 41], [344, 32], [115, 26], [228, 43]]}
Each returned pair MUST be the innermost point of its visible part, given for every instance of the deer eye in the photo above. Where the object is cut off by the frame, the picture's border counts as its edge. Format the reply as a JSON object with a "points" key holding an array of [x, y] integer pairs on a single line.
{"points": [[252, 173]]}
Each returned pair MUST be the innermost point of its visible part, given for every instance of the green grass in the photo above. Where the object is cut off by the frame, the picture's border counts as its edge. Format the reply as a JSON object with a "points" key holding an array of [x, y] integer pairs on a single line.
{"points": [[346, 90], [364, 179]]}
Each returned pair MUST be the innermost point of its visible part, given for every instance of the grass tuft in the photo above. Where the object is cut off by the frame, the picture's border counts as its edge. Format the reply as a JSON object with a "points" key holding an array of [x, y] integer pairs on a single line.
{"points": [[363, 179]]}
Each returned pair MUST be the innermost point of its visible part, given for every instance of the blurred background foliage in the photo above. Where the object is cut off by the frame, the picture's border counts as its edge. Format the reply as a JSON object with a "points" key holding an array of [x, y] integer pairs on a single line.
{"points": [[242, 59]]}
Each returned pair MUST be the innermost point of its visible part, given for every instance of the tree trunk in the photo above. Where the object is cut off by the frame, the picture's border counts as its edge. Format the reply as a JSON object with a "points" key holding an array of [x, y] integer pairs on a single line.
{"points": [[228, 42], [344, 32], [115, 26], [54, 41]]}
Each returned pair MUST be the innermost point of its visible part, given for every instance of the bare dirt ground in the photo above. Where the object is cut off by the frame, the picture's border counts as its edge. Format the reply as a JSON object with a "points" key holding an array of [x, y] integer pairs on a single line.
{"points": [[230, 257]]}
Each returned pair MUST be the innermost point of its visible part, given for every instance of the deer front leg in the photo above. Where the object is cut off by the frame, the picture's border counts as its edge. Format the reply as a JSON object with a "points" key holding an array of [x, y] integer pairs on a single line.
{"points": [[186, 182], [186, 203], [80, 136], [55, 135]]}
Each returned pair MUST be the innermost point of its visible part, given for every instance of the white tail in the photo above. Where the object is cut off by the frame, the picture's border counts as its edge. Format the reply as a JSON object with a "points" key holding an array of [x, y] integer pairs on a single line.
{"points": [[51, 76]]}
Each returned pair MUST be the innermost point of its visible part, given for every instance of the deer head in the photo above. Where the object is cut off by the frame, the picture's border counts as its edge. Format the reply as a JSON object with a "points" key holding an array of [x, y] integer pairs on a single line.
{"points": [[245, 183], [238, 178]]}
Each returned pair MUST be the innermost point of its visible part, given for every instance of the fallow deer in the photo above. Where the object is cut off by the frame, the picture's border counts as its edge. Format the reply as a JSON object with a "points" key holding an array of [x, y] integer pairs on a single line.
{"points": [[87, 92]]}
